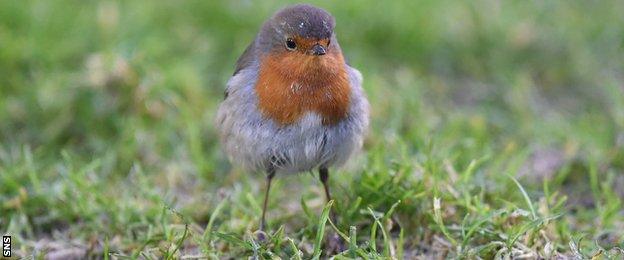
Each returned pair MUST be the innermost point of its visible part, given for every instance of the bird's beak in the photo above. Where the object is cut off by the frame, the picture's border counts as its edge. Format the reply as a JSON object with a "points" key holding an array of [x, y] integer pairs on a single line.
{"points": [[318, 50]]}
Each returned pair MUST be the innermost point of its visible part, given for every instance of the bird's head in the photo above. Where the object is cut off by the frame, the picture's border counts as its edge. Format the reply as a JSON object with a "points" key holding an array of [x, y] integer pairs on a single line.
{"points": [[299, 31]]}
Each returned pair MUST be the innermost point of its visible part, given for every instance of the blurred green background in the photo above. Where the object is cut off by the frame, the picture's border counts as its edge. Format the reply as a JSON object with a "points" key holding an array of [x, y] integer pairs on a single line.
{"points": [[107, 143]]}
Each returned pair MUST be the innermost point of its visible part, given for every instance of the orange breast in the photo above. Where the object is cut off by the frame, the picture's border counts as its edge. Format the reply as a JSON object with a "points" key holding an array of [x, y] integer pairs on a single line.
{"points": [[290, 84]]}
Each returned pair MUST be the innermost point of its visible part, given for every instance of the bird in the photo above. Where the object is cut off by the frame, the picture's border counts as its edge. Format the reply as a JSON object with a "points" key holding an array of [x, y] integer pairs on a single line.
{"points": [[293, 104]]}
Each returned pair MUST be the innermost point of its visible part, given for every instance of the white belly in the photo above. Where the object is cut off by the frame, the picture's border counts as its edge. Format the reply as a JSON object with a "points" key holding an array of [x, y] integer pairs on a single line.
{"points": [[302, 146]]}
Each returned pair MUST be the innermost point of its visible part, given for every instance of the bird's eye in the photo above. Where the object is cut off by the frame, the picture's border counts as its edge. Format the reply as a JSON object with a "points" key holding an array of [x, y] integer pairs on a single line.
{"points": [[290, 44]]}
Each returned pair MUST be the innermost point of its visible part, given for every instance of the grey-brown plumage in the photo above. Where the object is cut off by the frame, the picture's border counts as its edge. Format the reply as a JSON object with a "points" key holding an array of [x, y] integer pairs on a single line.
{"points": [[260, 143], [246, 58], [306, 21]]}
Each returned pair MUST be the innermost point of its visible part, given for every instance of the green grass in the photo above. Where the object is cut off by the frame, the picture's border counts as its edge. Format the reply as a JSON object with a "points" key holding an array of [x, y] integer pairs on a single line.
{"points": [[497, 131]]}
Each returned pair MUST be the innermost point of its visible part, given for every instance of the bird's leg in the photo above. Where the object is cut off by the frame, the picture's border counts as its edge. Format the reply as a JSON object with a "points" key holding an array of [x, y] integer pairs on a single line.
{"points": [[334, 244], [324, 177], [271, 174]]}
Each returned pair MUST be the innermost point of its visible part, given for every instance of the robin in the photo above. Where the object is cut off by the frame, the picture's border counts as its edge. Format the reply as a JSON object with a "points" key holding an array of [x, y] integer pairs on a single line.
{"points": [[293, 104]]}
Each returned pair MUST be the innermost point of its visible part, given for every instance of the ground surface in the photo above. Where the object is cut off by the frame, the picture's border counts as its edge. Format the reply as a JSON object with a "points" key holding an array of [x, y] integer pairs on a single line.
{"points": [[107, 147]]}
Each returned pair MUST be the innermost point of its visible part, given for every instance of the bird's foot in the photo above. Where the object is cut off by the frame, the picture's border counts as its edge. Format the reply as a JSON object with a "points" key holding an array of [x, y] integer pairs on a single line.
{"points": [[261, 236], [335, 244]]}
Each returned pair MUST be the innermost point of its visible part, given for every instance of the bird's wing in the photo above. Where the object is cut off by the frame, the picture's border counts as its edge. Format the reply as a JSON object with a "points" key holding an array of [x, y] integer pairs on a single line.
{"points": [[246, 58], [244, 61]]}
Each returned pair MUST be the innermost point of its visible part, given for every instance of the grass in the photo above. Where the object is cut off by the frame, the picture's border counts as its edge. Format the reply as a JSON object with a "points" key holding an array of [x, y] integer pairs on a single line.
{"points": [[497, 132]]}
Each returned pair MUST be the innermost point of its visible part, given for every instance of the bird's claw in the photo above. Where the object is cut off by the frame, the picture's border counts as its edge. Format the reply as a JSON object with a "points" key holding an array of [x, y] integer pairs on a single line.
{"points": [[335, 244], [261, 236]]}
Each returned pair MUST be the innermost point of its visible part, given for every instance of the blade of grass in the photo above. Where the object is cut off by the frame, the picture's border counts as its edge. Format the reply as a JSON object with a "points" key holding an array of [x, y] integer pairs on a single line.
{"points": [[320, 232], [252, 201], [180, 241], [373, 234], [527, 199], [296, 251], [391, 210], [213, 216], [106, 248], [306, 210], [352, 241], [340, 233], [401, 244], [438, 220], [233, 239]]}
